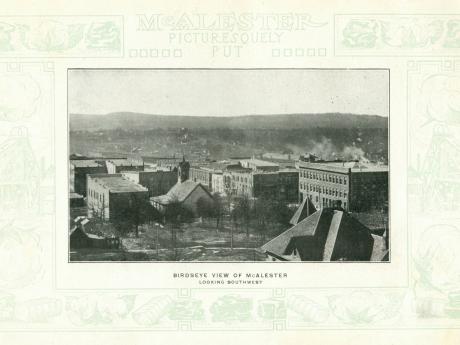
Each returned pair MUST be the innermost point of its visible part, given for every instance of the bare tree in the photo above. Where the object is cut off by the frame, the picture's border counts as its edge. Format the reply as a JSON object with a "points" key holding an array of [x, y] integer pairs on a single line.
{"points": [[218, 209], [242, 211]]}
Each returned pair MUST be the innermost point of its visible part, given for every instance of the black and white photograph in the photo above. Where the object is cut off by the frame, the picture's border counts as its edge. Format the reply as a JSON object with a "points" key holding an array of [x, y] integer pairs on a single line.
{"points": [[229, 165]]}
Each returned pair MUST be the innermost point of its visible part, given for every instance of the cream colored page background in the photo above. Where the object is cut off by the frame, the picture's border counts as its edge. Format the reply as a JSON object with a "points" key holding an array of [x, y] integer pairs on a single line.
{"points": [[412, 299]]}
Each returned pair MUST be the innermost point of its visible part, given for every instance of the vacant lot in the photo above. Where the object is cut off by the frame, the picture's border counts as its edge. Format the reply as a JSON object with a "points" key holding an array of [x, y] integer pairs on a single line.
{"points": [[197, 241]]}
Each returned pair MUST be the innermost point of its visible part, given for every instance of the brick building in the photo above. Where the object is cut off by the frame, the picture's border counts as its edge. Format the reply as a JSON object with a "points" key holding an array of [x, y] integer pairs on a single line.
{"points": [[79, 169], [281, 184], [158, 182], [358, 186], [288, 182], [111, 196]]}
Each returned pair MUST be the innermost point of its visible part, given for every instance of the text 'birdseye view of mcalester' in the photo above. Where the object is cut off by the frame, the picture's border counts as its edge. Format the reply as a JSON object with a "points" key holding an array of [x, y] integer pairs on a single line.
{"points": [[241, 165]]}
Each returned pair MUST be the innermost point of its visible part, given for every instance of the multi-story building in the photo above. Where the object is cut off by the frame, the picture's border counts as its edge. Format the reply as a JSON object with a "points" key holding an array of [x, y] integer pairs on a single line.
{"points": [[358, 186], [116, 166], [79, 169], [202, 175], [281, 184], [218, 184], [288, 182], [207, 173], [111, 196], [158, 182]]}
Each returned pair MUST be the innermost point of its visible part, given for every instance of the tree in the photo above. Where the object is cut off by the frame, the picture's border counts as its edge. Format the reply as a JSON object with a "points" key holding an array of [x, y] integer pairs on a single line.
{"points": [[242, 211], [132, 212], [141, 212], [269, 213], [174, 214], [262, 212], [219, 209]]}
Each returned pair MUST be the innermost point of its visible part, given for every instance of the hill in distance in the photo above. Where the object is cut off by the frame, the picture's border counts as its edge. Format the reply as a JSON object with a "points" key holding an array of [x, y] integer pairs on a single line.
{"points": [[139, 121]]}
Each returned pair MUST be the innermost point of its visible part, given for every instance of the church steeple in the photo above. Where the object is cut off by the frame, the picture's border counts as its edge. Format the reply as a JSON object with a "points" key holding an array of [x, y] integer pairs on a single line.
{"points": [[183, 170]]}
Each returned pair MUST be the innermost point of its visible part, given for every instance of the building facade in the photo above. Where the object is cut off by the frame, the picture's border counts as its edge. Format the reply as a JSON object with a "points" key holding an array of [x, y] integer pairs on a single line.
{"points": [[202, 175], [288, 182], [357, 186], [111, 196], [79, 169], [157, 182], [281, 185], [218, 185]]}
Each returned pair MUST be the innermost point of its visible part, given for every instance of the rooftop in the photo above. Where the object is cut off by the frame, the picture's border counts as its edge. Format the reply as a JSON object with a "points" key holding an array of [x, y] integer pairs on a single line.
{"points": [[124, 162], [146, 172], [118, 184], [259, 162], [280, 156], [288, 170], [179, 192], [80, 163], [73, 195], [324, 236], [305, 209], [344, 166]]}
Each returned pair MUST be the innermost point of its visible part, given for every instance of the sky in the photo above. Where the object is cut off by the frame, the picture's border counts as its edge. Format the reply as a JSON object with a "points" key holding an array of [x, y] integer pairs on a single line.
{"points": [[228, 92]]}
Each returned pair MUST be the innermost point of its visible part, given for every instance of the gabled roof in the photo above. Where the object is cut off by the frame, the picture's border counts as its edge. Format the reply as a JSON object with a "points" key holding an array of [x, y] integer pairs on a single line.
{"points": [[179, 192], [305, 209], [324, 236], [306, 227]]}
